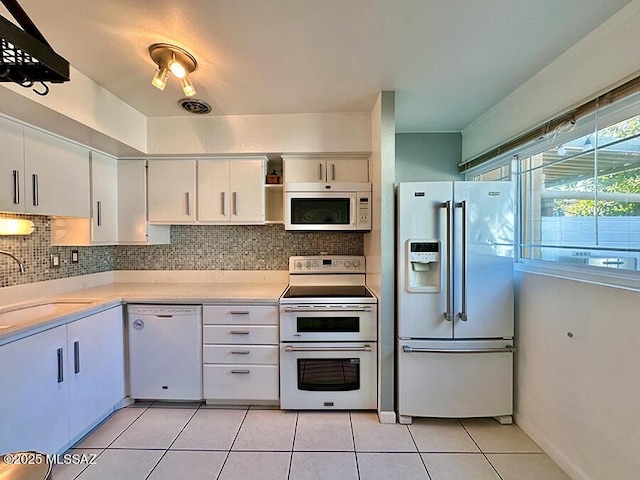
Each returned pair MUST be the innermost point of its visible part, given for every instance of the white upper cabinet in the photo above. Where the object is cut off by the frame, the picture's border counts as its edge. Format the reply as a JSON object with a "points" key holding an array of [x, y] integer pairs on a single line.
{"points": [[133, 227], [12, 198], [56, 176], [172, 191], [104, 199], [213, 191], [101, 228], [223, 191], [231, 190], [42, 174], [326, 169]]}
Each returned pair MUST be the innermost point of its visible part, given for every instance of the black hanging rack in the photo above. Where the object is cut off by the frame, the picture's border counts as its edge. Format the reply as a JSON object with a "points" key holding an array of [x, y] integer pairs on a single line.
{"points": [[26, 56]]}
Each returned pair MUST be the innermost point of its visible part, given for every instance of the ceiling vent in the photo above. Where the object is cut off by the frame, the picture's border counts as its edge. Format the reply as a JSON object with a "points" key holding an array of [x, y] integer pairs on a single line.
{"points": [[193, 105], [26, 56]]}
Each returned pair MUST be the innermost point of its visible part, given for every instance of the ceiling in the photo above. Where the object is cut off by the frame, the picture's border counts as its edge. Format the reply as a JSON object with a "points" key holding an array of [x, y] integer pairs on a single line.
{"points": [[448, 61]]}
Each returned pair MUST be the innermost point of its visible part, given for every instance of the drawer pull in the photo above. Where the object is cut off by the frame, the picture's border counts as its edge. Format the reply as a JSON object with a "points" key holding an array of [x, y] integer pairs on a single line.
{"points": [[243, 372], [240, 352], [239, 332], [239, 312]]}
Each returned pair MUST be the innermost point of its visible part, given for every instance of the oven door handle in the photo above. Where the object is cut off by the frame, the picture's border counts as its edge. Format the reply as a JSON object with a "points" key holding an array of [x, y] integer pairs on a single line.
{"points": [[291, 348], [321, 310]]}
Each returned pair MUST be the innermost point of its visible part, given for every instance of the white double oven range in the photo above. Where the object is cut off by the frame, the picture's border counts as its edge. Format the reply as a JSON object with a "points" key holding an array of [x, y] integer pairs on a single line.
{"points": [[328, 335]]}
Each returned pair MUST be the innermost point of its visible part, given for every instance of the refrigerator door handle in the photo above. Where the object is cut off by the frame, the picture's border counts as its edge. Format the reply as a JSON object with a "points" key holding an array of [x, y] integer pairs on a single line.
{"points": [[408, 349], [447, 205], [462, 315]]}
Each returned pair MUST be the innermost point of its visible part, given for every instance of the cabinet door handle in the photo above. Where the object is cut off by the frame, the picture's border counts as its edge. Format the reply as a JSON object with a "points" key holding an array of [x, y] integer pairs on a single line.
{"points": [[223, 200], [239, 332], [60, 365], [333, 171], [239, 312], [36, 193], [76, 356], [320, 171], [16, 187], [99, 208], [235, 202], [188, 199], [240, 352], [241, 371]]}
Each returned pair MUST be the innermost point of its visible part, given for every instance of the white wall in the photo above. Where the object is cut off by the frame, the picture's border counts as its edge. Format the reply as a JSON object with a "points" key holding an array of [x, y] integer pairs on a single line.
{"points": [[604, 58], [428, 157], [379, 244], [578, 396], [80, 110], [243, 134]]}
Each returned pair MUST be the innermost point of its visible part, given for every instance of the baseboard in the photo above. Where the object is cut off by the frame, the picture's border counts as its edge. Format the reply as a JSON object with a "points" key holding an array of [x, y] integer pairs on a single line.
{"points": [[551, 449], [387, 416]]}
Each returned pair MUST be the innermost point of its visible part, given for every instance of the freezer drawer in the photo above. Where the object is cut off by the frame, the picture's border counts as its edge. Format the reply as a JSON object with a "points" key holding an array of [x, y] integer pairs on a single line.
{"points": [[436, 380], [241, 382]]}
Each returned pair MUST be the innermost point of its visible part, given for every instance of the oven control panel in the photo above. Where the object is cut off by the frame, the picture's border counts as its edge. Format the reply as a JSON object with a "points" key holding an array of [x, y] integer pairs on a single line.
{"points": [[327, 264]]}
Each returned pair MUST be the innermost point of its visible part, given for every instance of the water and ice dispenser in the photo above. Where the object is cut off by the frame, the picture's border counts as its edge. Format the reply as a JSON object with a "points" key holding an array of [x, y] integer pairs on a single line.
{"points": [[423, 266]]}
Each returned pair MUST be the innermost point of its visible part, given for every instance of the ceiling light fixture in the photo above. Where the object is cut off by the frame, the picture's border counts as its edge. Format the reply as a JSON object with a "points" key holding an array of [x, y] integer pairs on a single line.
{"points": [[176, 60]]}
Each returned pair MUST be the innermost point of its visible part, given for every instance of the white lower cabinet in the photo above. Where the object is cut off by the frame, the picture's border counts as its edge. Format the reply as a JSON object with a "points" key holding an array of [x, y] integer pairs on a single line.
{"points": [[95, 362], [34, 409], [54, 391], [240, 354]]}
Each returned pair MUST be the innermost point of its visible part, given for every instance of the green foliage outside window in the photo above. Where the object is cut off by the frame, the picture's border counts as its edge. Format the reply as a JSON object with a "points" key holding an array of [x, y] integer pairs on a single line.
{"points": [[627, 181]]}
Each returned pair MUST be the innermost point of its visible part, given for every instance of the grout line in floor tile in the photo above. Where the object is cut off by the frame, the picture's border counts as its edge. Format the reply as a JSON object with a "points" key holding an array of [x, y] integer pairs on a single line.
{"points": [[138, 448], [353, 439], [102, 450], [246, 412], [144, 409], [295, 431], [481, 451], [174, 441], [418, 450]]}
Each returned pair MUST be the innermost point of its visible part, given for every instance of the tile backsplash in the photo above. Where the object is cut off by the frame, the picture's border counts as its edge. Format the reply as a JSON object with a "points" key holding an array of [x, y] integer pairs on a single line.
{"points": [[193, 247]]}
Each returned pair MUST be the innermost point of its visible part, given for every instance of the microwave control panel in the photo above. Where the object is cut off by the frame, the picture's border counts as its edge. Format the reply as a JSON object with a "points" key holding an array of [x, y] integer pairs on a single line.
{"points": [[363, 211]]}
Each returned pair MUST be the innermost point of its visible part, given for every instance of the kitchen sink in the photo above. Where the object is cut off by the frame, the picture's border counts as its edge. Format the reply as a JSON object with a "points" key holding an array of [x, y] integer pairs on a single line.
{"points": [[26, 313]]}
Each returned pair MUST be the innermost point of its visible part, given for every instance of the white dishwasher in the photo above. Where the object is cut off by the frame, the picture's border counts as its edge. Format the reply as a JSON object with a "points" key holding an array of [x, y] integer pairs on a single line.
{"points": [[165, 352]]}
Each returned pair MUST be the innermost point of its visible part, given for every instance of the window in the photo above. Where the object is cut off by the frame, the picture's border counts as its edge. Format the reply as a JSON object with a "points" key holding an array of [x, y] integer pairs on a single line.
{"points": [[580, 200], [500, 173]]}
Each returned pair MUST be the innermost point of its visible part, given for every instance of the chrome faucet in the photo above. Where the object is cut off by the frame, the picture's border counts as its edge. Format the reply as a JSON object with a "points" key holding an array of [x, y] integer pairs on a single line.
{"points": [[20, 262]]}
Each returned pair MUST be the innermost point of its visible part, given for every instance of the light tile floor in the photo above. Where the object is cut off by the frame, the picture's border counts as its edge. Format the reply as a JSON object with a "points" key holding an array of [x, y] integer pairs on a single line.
{"points": [[161, 441]]}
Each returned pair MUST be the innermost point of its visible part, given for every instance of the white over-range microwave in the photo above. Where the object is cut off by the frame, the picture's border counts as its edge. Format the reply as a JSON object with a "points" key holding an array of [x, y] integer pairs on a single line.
{"points": [[328, 207]]}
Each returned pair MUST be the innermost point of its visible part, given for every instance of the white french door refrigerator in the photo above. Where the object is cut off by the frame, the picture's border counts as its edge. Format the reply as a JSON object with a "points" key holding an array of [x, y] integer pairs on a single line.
{"points": [[454, 314]]}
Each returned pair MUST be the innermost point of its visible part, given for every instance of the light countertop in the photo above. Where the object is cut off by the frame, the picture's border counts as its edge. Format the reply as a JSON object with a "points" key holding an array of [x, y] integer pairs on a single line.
{"points": [[41, 313]]}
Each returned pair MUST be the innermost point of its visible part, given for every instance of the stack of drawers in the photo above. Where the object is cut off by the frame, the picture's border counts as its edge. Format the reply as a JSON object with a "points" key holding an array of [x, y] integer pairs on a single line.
{"points": [[240, 354]]}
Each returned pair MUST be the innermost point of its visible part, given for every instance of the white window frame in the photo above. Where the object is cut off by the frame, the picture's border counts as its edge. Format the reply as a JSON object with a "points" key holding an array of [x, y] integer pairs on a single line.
{"points": [[608, 115]]}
